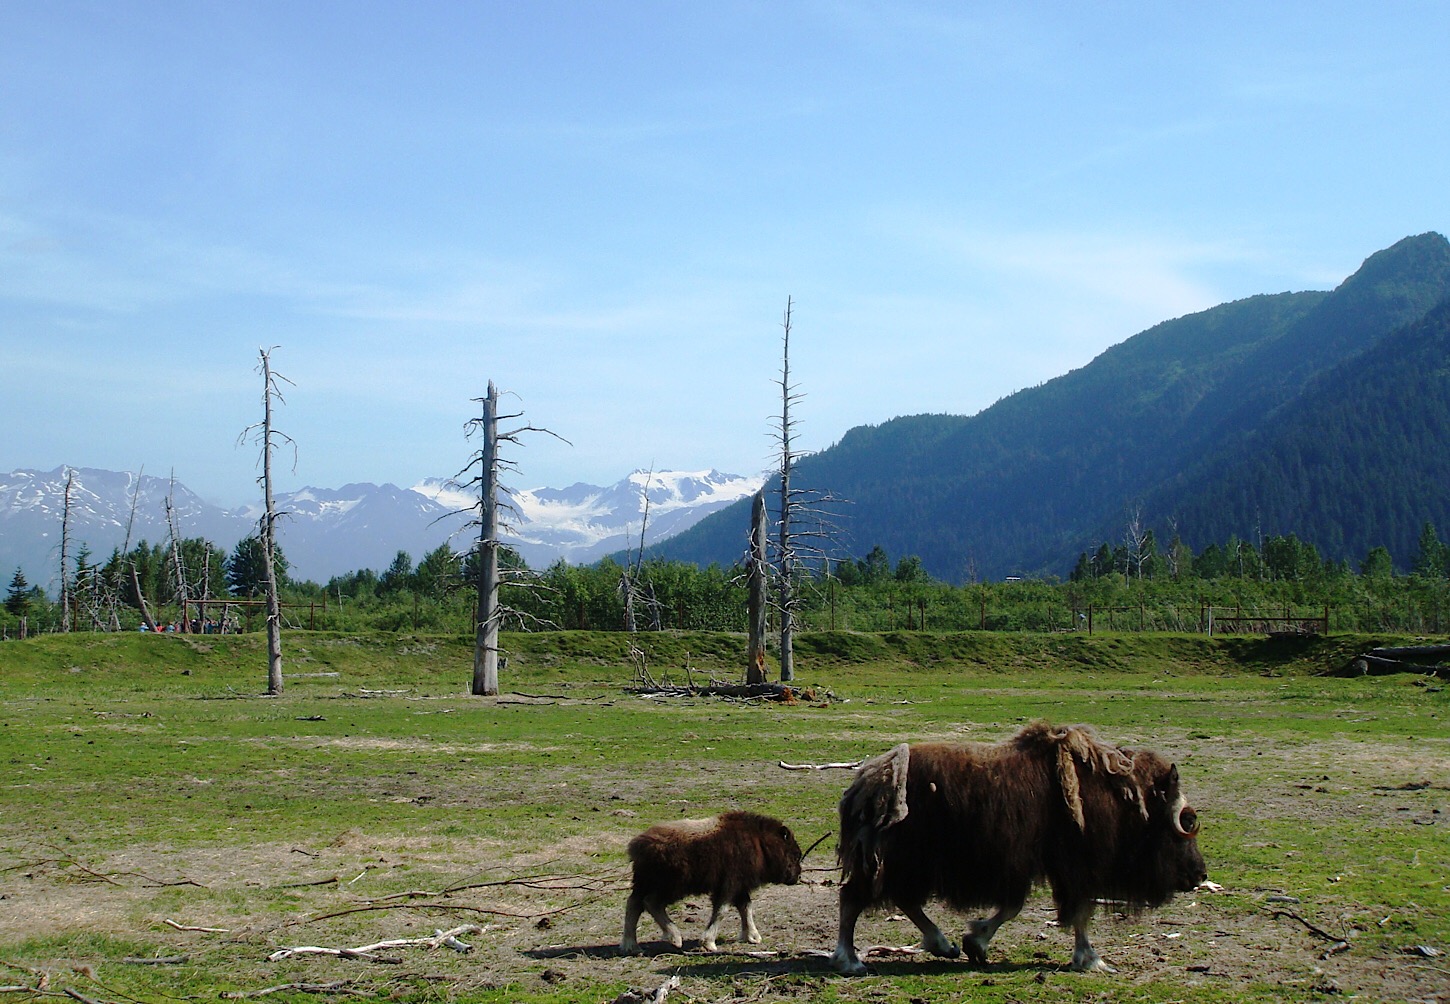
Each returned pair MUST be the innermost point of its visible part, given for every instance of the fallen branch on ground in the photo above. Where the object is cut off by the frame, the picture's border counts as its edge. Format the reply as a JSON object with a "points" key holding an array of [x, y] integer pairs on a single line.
{"points": [[655, 996], [820, 766], [749, 691], [107, 877], [1339, 944], [341, 953], [545, 883], [204, 930], [456, 907], [892, 950], [444, 939], [307, 988]]}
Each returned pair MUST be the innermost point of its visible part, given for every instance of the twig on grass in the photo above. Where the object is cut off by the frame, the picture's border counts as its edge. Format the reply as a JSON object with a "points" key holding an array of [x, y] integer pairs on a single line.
{"points": [[819, 766], [1339, 944], [204, 930], [458, 907], [341, 953], [67, 861], [544, 883], [307, 988]]}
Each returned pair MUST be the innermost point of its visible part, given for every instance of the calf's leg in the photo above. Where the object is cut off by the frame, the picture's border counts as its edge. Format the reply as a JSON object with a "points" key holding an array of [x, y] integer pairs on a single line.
{"points": [[712, 929], [628, 942], [667, 926], [748, 931]]}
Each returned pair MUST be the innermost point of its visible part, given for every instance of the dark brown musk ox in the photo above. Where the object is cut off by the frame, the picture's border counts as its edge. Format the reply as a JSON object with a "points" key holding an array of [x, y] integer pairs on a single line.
{"points": [[726, 858], [979, 825]]}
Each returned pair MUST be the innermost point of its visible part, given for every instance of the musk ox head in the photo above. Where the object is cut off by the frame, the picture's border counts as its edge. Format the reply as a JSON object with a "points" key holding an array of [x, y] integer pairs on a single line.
{"points": [[1171, 857], [783, 857]]}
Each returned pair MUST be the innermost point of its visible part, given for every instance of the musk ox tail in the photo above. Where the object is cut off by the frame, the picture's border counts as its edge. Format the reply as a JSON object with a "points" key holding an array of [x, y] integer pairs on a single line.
{"points": [[875, 801], [1079, 744]]}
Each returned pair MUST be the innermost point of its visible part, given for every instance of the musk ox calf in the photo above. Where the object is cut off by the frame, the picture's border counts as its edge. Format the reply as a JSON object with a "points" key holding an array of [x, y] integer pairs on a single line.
{"points": [[979, 825], [727, 857]]}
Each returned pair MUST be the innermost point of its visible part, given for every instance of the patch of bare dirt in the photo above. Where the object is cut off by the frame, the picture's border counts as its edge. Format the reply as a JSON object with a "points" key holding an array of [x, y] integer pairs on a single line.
{"points": [[549, 911]]}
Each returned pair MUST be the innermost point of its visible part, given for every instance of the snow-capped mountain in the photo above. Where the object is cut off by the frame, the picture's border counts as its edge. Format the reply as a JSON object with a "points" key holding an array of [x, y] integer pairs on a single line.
{"points": [[582, 523], [330, 532]]}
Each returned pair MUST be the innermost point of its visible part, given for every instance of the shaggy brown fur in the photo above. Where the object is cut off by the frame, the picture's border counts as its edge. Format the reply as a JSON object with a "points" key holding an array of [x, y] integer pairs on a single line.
{"points": [[726, 858], [979, 825]]}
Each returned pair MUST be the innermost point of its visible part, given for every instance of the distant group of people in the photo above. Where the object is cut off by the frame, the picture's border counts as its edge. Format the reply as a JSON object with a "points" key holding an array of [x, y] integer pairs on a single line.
{"points": [[195, 626]]}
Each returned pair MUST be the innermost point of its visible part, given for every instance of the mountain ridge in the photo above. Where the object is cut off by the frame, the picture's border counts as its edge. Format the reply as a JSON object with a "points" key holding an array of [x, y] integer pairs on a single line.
{"points": [[333, 531], [1024, 486]]}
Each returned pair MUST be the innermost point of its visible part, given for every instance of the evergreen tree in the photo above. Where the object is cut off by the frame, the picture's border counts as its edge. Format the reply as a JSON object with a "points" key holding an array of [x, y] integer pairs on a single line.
{"points": [[876, 566], [17, 598], [1103, 561], [909, 570], [1433, 561], [399, 575], [246, 568], [439, 572], [1377, 564]]}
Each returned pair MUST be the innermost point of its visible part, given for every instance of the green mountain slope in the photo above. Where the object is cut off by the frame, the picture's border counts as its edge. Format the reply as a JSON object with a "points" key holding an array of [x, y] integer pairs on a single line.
{"points": [[1169, 420], [1360, 460]]}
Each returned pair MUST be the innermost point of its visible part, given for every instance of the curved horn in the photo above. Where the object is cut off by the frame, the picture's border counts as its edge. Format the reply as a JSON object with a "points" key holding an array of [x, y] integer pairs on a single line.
{"points": [[1176, 811]]}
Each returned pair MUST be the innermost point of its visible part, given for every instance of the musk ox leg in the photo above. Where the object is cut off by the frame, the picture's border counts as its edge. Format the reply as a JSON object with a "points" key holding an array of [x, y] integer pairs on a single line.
{"points": [[662, 917], [629, 942], [748, 931], [931, 937], [980, 932], [844, 959], [712, 929], [1085, 958]]}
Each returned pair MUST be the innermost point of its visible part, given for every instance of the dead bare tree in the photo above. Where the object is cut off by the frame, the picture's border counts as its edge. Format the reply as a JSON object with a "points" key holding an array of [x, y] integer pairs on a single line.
{"points": [[758, 583], [178, 569], [805, 521], [117, 586], [1138, 539], [633, 587], [268, 439], [65, 590], [490, 463]]}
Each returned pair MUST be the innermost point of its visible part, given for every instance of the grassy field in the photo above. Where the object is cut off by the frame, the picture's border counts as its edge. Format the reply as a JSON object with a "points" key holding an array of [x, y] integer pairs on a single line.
{"points": [[165, 830]]}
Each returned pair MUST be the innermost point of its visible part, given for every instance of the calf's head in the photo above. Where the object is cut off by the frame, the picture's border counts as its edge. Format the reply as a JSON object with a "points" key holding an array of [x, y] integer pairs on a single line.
{"points": [[782, 856]]}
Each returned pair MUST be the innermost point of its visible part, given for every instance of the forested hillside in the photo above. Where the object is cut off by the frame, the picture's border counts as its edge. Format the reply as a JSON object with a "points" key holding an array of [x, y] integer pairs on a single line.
{"points": [[1309, 413]]}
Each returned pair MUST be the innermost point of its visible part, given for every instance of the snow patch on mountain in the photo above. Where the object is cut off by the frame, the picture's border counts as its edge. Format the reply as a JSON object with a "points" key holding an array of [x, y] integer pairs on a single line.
{"points": [[326, 532]]}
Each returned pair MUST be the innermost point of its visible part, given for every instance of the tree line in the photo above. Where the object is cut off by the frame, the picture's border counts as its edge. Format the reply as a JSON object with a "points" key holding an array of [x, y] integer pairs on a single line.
{"points": [[1136, 584]]}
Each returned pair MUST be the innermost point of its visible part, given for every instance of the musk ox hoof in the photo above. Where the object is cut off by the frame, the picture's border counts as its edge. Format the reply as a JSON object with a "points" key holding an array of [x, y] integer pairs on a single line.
{"points": [[1090, 962], [629, 948], [935, 942], [975, 941], [848, 966]]}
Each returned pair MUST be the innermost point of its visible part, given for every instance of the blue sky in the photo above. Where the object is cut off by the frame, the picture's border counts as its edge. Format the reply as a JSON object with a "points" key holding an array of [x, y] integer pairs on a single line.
{"points": [[602, 207]]}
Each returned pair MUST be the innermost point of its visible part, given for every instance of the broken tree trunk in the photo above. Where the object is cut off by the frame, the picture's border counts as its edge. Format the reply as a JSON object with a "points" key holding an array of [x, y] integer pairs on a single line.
{"points": [[758, 580]]}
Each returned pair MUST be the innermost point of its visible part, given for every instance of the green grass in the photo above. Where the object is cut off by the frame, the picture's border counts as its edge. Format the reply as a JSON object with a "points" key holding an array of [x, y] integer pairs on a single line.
{"points": [[147, 780]]}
